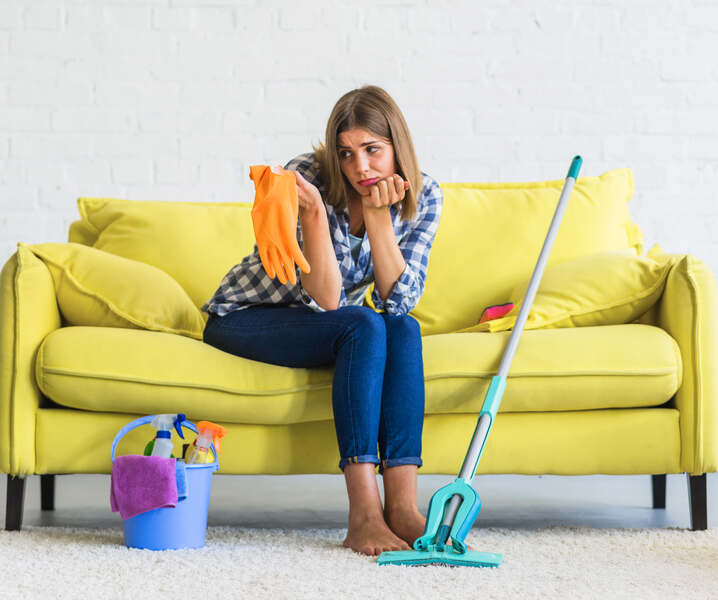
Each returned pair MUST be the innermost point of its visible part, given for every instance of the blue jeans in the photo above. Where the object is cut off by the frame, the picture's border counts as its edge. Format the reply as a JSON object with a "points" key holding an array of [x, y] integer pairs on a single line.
{"points": [[378, 386]]}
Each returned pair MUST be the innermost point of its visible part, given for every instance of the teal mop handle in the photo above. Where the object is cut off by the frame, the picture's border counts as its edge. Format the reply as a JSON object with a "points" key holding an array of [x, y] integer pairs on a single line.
{"points": [[498, 383], [492, 400]]}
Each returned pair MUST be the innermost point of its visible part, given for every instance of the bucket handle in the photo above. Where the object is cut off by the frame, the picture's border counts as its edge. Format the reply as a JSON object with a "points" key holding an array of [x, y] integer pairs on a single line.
{"points": [[148, 419]]}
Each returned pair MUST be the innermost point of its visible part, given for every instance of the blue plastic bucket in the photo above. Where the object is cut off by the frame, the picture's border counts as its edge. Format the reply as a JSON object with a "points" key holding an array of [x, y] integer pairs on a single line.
{"points": [[184, 526]]}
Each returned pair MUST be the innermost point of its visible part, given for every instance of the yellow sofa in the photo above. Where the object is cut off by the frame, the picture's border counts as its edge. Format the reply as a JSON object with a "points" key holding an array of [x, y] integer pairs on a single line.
{"points": [[624, 398]]}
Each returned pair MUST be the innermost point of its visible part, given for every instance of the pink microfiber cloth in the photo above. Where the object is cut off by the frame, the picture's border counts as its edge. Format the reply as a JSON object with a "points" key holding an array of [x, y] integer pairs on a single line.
{"points": [[496, 311], [142, 483]]}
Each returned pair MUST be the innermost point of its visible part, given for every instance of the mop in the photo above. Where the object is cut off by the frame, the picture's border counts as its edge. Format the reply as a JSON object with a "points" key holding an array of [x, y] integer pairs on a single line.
{"points": [[454, 507]]}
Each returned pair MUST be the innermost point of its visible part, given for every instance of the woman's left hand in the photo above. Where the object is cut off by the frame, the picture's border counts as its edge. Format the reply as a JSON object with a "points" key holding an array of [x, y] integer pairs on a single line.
{"points": [[385, 192]]}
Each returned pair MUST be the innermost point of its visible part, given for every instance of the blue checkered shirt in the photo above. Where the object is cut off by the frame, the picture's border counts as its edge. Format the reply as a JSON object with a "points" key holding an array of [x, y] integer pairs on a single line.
{"points": [[247, 284]]}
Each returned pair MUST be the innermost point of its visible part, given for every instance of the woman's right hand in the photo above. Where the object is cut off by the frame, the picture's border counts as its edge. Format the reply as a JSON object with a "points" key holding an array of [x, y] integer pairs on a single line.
{"points": [[308, 197]]}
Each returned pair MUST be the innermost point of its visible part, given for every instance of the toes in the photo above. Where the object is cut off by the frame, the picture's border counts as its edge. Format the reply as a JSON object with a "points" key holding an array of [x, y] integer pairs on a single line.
{"points": [[401, 545]]}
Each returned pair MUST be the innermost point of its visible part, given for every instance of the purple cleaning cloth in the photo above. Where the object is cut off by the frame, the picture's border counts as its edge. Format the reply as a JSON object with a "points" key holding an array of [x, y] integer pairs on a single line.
{"points": [[142, 483]]}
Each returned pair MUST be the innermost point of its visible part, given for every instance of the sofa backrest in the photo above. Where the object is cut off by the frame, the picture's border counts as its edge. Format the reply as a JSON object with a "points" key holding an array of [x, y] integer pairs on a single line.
{"points": [[488, 240]]}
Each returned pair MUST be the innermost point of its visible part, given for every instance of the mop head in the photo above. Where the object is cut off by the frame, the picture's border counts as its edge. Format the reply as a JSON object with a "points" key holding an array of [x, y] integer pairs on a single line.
{"points": [[431, 548], [447, 557]]}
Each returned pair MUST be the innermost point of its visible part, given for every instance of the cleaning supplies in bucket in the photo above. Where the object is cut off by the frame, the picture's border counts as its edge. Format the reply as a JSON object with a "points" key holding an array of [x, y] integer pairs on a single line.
{"points": [[165, 527], [208, 433]]}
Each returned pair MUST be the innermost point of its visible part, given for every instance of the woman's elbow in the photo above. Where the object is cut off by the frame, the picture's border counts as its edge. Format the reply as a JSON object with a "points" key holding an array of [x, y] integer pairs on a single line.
{"points": [[328, 301], [330, 304]]}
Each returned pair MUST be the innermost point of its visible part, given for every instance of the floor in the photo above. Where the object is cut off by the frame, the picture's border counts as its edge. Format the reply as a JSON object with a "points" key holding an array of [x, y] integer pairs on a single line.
{"points": [[307, 501]]}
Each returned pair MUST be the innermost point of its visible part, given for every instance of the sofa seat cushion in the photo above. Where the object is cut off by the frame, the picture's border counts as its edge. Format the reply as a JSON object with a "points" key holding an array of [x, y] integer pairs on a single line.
{"points": [[147, 372]]}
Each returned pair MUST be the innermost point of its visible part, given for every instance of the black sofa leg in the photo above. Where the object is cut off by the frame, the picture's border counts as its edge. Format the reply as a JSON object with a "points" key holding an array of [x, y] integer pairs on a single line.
{"points": [[659, 491], [697, 501], [47, 492], [15, 502]]}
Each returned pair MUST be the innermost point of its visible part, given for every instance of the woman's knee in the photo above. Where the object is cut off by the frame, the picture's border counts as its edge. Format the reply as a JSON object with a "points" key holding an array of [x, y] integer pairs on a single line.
{"points": [[366, 321], [401, 325]]}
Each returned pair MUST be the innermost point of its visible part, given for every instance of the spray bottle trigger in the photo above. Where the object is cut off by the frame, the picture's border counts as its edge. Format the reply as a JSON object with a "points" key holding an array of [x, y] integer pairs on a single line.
{"points": [[178, 424]]}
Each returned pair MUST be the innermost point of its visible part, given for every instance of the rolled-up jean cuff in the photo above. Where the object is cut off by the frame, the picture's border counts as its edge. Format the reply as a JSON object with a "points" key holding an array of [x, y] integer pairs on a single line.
{"points": [[395, 462], [364, 458]]}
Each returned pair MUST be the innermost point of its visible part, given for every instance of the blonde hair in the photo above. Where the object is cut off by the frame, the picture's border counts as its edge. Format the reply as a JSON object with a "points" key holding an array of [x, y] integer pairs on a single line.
{"points": [[371, 108]]}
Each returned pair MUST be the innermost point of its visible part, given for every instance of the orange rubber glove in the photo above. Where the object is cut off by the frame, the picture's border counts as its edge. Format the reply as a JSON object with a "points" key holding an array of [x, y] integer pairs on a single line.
{"points": [[274, 217]]}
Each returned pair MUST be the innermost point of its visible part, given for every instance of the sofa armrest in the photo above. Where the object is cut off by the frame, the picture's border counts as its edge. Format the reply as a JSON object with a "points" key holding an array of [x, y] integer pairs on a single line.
{"points": [[688, 311], [28, 313]]}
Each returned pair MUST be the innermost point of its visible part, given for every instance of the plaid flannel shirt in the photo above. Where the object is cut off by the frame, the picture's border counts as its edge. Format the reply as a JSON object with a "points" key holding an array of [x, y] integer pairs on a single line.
{"points": [[247, 284]]}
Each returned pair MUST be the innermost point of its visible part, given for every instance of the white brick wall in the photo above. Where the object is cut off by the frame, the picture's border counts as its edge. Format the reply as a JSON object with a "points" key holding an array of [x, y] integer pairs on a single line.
{"points": [[174, 99]]}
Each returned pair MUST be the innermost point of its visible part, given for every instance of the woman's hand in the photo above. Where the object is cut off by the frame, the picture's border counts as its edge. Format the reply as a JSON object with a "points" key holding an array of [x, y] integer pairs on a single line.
{"points": [[308, 197], [385, 192]]}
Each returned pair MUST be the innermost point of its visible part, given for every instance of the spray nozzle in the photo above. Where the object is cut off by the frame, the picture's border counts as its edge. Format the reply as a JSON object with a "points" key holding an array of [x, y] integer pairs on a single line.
{"points": [[166, 422], [211, 432]]}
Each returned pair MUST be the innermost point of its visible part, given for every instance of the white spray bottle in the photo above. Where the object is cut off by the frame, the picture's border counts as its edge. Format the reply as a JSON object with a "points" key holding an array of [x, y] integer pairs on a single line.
{"points": [[162, 445]]}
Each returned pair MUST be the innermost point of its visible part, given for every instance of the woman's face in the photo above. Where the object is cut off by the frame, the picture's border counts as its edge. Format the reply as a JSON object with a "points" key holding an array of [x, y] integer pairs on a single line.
{"points": [[364, 158]]}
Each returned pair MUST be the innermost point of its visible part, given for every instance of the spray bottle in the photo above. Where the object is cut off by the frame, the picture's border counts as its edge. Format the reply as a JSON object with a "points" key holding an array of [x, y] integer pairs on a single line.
{"points": [[162, 444], [209, 433]]}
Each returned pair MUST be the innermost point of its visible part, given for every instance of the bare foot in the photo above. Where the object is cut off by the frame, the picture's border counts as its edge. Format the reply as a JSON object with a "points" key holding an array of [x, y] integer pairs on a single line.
{"points": [[408, 524], [372, 537]]}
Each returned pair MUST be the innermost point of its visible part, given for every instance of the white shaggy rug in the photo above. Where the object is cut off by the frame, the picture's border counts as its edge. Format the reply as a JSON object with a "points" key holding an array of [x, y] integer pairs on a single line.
{"points": [[560, 562]]}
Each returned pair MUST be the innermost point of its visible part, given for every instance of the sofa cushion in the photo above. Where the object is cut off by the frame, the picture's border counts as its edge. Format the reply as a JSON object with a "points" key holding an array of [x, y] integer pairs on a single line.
{"points": [[194, 242], [145, 372], [98, 288], [490, 237], [605, 288]]}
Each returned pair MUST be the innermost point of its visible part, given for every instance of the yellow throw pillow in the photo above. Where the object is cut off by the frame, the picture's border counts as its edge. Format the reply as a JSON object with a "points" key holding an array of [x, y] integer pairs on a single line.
{"points": [[605, 288], [490, 235], [196, 243], [97, 288]]}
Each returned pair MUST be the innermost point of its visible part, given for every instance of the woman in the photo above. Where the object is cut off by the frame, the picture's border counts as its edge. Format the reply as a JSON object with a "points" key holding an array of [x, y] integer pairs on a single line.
{"points": [[366, 214]]}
